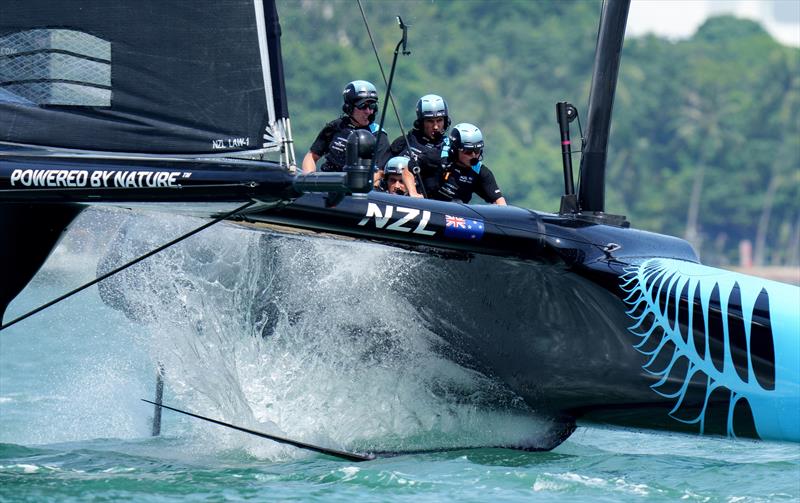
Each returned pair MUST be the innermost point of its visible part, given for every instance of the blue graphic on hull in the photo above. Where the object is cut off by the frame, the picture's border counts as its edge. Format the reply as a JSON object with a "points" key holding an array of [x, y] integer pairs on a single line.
{"points": [[725, 346]]}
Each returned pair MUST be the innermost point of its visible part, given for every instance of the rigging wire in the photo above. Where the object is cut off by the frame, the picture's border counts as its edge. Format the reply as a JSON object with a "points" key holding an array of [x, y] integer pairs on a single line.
{"points": [[583, 146], [125, 266], [349, 456]]}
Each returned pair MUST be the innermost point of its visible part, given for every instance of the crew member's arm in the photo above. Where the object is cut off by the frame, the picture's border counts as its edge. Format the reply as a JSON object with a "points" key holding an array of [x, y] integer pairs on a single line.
{"points": [[310, 162], [319, 147], [487, 188], [410, 183]]}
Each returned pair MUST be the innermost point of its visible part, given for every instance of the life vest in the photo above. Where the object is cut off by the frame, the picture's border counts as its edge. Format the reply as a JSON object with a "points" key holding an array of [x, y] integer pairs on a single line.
{"points": [[336, 157]]}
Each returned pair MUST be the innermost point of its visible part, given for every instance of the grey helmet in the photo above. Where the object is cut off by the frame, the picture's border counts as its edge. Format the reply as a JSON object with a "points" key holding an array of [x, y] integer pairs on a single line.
{"points": [[356, 92], [465, 136], [395, 166], [432, 105]]}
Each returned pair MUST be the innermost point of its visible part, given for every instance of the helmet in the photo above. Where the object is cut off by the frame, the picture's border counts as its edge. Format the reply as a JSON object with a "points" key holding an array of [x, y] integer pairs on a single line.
{"points": [[465, 135], [431, 105], [396, 165], [356, 92]]}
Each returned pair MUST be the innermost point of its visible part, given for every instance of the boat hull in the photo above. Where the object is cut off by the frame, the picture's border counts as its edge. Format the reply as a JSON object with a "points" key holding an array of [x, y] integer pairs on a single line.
{"points": [[582, 320]]}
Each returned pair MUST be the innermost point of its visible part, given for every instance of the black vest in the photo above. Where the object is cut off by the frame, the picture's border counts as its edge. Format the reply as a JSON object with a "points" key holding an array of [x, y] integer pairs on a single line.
{"points": [[336, 157]]}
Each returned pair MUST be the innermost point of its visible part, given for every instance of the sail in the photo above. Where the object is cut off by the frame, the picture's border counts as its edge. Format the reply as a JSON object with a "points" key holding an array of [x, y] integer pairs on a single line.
{"points": [[179, 78]]}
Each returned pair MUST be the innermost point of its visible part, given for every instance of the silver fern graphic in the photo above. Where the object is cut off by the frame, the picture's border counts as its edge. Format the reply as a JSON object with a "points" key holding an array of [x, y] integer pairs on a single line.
{"points": [[696, 325]]}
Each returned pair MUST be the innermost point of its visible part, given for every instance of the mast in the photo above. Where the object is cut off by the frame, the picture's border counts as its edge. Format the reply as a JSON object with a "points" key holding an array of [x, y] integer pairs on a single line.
{"points": [[610, 35]]}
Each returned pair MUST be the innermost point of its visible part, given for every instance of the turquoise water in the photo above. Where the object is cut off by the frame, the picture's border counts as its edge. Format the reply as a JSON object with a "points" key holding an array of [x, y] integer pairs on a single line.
{"points": [[73, 428]]}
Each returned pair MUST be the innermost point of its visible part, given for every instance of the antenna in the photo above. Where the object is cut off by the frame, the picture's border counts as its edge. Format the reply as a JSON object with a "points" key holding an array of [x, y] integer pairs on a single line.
{"points": [[566, 113], [404, 27], [403, 42]]}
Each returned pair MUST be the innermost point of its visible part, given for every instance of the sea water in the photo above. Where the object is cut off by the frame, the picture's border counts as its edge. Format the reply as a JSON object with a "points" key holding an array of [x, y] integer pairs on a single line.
{"points": [[244, 336]]}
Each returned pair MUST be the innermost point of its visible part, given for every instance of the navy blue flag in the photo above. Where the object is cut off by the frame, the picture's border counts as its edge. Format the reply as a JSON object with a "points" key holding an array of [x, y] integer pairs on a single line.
{"points": [[462, 228]]}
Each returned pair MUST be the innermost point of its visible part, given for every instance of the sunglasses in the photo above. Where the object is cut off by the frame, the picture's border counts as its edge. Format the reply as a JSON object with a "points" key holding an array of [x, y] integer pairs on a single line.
{"points": [[371, 105], [473, 150]]}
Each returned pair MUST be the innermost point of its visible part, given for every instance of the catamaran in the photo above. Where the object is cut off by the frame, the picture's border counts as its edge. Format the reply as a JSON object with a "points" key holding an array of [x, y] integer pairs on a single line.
{"points": [[581, 316]]}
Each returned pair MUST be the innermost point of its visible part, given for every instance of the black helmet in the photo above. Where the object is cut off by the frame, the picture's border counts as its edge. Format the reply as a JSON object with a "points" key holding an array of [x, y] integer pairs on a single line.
{"points": [[396, 165], [357, 92], [431, 105]]}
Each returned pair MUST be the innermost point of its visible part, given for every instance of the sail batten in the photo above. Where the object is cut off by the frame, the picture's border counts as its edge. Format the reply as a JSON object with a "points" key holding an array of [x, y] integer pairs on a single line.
{"points": [[174, 79]]}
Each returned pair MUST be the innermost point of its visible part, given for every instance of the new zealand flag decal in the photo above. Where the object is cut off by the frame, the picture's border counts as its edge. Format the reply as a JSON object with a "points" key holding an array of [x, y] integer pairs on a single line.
{"points": [[463, 228]]}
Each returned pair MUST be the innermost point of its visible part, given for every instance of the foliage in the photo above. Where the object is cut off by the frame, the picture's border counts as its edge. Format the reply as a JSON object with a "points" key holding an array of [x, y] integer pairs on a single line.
{"points": [[716, 115]]}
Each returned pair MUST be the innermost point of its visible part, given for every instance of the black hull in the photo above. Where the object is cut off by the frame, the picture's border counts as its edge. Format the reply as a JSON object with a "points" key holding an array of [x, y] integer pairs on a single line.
{"points": [[535, 303], [579, 319], [585, 320]]}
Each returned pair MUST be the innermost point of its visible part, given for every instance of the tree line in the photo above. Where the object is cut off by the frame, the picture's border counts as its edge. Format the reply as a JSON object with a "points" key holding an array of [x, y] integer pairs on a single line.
{"points": [[705, 139]]}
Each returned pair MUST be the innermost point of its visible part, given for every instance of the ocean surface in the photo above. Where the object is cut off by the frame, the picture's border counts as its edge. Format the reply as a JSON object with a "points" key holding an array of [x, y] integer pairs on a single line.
{"points": [[73, 427]]}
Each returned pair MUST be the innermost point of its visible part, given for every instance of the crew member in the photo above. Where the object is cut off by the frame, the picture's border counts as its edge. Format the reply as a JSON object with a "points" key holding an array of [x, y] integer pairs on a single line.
{"points": [[360, 106], [392, 181], [425, 145], [464, 172]]}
